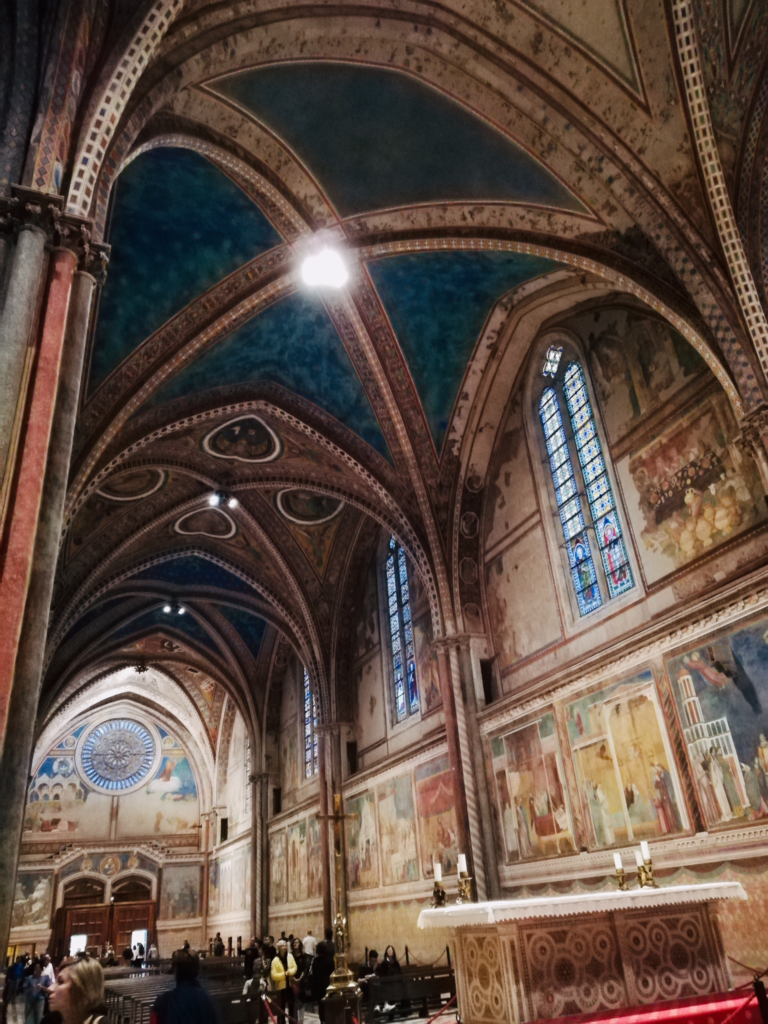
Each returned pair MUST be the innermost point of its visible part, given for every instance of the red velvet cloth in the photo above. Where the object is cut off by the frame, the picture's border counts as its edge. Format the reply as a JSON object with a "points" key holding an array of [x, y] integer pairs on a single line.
{"points": [[711, 1009]]}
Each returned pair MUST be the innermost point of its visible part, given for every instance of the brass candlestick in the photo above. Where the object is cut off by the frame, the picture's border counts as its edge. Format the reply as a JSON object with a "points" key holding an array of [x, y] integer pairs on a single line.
{"points": [[465, 890], [439, 896], [645, 875], [621, 878]]}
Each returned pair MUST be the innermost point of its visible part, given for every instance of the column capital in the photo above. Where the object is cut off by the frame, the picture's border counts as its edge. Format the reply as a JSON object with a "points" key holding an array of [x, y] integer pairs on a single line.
{"points": [[26, 208]]}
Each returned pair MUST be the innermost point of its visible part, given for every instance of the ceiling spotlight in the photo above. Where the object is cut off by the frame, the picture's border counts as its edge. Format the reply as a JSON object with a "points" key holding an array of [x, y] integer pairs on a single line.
{"points": [[167, 609], [324, 269], [181, 610], [214, 499], [232, 503]]}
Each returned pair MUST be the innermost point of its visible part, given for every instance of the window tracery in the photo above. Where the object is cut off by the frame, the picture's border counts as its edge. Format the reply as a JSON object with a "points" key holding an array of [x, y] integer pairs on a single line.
{"points": [[406, 691], [310, 729]]}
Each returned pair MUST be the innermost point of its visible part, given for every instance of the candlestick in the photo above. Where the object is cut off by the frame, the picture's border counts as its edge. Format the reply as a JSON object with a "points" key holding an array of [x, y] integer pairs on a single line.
{"points": [[438, 868], [462, 864], [465, 890], [646, 851]]}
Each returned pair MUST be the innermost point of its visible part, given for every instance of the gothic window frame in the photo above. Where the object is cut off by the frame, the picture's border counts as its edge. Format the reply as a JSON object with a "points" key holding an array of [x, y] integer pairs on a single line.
{"points": [[309, 727], [576, 617], [399, 611]]}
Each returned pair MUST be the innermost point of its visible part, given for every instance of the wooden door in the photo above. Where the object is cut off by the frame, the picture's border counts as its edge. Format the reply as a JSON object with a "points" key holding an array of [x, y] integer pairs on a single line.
{"points": [[130, 917], [90, 921]]}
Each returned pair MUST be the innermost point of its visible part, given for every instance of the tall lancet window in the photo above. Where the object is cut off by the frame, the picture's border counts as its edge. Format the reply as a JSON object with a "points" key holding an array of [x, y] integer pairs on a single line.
{"points": [[310, 729], [401, 633], [591, 527]]}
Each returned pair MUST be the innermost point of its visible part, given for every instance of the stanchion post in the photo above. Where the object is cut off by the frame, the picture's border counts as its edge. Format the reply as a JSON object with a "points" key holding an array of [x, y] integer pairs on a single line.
{"points": [[762, 999]]}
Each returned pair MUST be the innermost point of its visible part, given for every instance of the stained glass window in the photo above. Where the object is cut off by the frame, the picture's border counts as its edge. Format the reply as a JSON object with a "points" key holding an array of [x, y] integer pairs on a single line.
{"points": [[247, 777], [605, 518], [310, 729], [401, 633], [572, 521], [552, 361]]}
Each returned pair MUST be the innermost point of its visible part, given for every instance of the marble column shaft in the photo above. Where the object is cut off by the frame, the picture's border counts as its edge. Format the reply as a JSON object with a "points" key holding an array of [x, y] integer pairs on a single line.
{"points": [[17, 343], [454, 755], [478, 766], [17, 752]]}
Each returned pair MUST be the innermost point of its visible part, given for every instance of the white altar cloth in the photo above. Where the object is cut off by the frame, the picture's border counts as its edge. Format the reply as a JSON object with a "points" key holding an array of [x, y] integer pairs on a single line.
{"points": [[496, 911]]}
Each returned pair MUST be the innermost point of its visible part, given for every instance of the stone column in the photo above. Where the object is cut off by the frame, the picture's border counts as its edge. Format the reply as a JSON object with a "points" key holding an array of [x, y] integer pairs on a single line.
{"points": [[25, 693], [325, 850], [454, 753], [478, 768]]}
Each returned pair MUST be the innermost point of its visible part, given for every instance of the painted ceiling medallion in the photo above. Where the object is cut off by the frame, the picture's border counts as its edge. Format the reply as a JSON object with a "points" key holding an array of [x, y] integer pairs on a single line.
{"points": [[244, 439], [206, 522], [118, 755], [307, 508], [131, 486]]}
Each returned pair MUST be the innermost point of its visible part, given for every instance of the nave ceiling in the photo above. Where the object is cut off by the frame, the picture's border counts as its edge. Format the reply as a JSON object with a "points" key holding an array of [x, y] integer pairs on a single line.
{"points": [[485, 166]]}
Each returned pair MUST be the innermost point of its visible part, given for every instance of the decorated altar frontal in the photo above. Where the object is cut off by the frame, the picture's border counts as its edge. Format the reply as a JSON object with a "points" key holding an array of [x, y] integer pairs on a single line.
{"points": [[526, 959]]}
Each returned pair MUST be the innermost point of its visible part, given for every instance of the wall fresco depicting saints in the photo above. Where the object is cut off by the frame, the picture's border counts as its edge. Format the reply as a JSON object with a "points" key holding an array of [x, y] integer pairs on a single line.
{"points": [[32, 899], [625, 771], [180, 892], [532, 800], [437, 816], [278, 868], [297, 862], [314, 858], [721, 694], [397, 828]]}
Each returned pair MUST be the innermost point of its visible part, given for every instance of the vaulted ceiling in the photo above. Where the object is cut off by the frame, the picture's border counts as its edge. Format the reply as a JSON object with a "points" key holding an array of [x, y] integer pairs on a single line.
{"points": [[464, 156]]}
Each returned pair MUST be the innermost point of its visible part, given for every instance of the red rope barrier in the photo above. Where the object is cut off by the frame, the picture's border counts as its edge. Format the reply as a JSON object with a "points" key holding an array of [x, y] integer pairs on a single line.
{"points": [[738, 1010]]}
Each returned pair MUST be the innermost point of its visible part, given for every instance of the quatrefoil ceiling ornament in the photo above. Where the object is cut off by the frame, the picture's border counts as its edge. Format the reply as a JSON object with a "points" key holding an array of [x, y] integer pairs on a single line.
{"points": [[133, 485], [206, 522], [244, 439]]}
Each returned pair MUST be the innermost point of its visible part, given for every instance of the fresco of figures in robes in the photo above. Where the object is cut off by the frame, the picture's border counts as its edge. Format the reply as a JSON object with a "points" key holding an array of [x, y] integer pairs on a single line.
{"points": [[722, 699], [278, 868], [532, 801], [397, 827], [297, 862], [437, 816], [627, 781], [314, 857]]}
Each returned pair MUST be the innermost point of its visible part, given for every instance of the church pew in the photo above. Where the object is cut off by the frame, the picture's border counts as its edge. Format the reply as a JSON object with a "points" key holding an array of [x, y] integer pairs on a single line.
{"points": [[426, 989]]}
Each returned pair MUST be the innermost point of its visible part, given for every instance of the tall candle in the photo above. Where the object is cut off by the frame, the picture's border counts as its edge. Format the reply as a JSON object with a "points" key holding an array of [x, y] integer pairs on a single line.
{"points": [[462, 864], [639, 858], [645, 850], [617, 862], [438, 872]]}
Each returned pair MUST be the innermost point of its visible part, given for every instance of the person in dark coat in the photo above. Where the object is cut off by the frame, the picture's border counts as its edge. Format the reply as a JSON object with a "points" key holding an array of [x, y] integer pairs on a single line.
{"points": [[250, 957], [188, 1003], [320, 975]]}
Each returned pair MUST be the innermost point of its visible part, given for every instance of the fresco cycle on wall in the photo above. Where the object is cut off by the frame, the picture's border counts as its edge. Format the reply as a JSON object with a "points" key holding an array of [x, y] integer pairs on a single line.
{"points": [[362, 843], [32, 899], [297, 862], [180, 892], [437, 816], [532, 800], [314, 858], [278, 868], [397, 828], [721, 692], [625, 771]]}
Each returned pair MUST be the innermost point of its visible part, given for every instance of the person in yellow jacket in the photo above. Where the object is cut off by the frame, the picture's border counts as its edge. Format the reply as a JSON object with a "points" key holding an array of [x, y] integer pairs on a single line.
{"points": [[282, 973]]}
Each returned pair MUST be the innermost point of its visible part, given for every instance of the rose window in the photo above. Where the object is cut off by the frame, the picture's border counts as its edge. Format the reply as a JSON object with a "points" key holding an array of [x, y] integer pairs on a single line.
{"points": [[118, 754]]}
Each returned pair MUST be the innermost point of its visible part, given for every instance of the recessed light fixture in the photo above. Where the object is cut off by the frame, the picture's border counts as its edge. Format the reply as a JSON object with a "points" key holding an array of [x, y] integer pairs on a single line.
{"points": [[181, 610], [167, 609], [232, 503], [324, 269], [214, 499]]}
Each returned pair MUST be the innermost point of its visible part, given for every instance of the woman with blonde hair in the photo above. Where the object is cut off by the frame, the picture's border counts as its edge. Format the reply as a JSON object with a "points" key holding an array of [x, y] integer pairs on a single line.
{"points": [[78, 995], [282, 972]]}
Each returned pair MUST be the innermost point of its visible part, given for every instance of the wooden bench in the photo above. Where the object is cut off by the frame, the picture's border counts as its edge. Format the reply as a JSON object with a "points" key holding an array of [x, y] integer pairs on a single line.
{"points": [[424, 989]]}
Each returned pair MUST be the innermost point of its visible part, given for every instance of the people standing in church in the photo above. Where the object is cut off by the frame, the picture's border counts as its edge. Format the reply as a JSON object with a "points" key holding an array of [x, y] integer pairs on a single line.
{"points": [[218, 945], [249, 958], [320, 975], [34, 994], [282, 972], [330, 945], [152, 953], [300, 994]]}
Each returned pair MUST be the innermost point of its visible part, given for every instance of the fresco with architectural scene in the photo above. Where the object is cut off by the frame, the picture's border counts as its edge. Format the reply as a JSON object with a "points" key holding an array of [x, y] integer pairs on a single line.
{"points": [[180, 892], [721, 693], [314, 858], [362, 843], [437, 816], [397, 829], [625, 770], [532, 800], [426, 665]]}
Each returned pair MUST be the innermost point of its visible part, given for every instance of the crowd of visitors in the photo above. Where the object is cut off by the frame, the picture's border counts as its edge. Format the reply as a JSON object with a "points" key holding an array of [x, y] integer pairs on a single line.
{"points": [[74, 996]]}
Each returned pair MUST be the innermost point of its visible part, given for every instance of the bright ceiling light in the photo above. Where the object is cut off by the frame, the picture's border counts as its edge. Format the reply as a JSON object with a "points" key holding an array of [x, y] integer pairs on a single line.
{"points": [[167, 609], [214, 499], [324, 269], [232, 503], [181, 610]]}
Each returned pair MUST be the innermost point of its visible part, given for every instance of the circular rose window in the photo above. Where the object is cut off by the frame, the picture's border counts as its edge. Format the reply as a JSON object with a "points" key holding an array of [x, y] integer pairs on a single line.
{"points": [[118, 755]]}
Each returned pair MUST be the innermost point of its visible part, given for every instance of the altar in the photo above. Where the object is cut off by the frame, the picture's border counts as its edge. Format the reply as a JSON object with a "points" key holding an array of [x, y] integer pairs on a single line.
{"points": [[526, 959]]}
